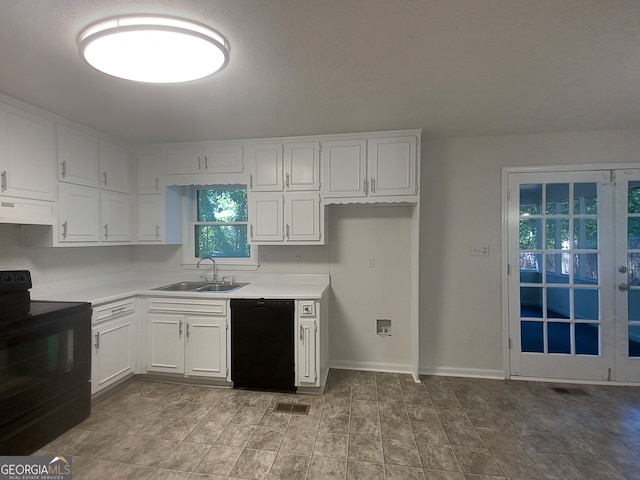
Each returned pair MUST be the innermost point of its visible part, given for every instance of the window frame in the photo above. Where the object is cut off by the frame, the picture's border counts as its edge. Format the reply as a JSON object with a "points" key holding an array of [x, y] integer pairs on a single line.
{"points": [[190, 216]]}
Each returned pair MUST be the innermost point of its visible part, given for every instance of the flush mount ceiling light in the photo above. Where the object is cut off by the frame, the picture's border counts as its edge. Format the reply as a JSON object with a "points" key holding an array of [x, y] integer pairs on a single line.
{"points": [[153, 49]]}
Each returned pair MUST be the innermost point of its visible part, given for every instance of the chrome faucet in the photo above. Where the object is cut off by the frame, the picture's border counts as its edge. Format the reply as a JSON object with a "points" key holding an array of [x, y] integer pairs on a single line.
{"points": [[213, 277]]}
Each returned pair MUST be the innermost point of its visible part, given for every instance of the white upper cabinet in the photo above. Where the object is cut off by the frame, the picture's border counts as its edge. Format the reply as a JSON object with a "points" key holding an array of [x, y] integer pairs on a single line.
{"points": [[374, 170], [344, 166], [114, 167], [116, 216], [151, 218], [27, 155], [392, 166], [78, 214], [264, 164], [78, 158], [291, 218], [184, 159], [150, 168], [302, 166]]}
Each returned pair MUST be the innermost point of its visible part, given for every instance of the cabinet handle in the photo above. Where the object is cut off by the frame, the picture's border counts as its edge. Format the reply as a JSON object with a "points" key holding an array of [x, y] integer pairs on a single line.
{"points": [[287, 180], [106, 230], [64, 229], [364, 186], [250, 181], [180, 329], [301, 333], [157, 184], [373, 185], [251, 232], [206, 163], [97, 344], [118, 310], [157, 231], [287, 230], [199, 163], [4, 180], [63, 164], [187, 329], [104, 175]]}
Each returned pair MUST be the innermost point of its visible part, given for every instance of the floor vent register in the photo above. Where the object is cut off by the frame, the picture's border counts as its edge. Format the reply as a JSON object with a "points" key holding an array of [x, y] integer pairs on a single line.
{"points": [[569, 391], [297, 408]]}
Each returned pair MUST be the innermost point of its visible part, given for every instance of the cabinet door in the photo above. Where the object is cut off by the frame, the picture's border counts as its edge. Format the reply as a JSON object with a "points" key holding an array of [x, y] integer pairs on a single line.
{"points": [[223, 158], [78, 213], [264, 163], [303, 219], [184, 159], [113, 352], [27, 155], [206, 346], [266, 217], [302, 166], [344, 167], [116, 216], [306, 364], [151, 218], [77, 157], [114, 167], [149, 166], [166, 342], [392, 166]]}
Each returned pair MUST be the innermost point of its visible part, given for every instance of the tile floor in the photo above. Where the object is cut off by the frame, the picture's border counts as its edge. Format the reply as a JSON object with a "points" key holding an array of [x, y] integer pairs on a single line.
{"points": [[367, 426]]}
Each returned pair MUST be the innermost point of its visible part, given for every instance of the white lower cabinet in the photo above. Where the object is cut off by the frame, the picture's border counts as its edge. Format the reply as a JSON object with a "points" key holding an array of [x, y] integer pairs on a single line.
{"points": [[188, 336], [307, 348], [114, 341]]}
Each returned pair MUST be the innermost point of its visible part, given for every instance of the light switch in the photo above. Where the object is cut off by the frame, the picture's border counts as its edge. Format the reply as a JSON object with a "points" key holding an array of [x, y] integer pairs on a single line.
{"points": [[479, 250]]}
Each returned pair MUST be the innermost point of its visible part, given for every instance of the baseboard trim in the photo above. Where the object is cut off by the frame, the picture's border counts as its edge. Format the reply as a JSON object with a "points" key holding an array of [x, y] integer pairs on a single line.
{"points": [[463, 372], [370, 366]]}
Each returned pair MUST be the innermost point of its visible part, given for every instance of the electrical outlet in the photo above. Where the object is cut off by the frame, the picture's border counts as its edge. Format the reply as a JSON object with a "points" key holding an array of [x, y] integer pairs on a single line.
{"points": [[298, 261], [479, 250], [371, 262]]}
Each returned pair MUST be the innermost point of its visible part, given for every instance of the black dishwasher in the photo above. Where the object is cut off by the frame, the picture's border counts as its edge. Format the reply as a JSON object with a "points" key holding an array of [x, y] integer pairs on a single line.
{"points": [[262, 344]]}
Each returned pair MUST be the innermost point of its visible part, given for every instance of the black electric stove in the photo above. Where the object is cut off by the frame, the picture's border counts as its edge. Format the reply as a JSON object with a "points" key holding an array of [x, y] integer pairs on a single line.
{"points": [[45, 366]]}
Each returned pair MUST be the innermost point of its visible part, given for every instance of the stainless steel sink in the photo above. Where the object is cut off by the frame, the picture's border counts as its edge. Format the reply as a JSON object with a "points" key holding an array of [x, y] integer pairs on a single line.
{"points": [[220, 287], [200, 287]]}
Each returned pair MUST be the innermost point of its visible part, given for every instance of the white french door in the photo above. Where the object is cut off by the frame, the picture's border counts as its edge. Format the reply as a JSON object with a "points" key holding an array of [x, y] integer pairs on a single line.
{"points": [[574, 274]]}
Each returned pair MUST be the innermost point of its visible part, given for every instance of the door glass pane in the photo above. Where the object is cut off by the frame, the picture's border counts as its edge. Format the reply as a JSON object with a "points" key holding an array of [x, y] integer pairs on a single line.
{"points": [[585, 268], [633, 265], [531, 302], [633, 232], [586, 304], [585, 198], [587, 339], [634, 340], [530, 199], [558, 267], [634, 305], [532, 337], [557, 198], [530, 267], [585, 233], [633, 197], [530, 234], [557, 234], [558, 303], [559, 337]]}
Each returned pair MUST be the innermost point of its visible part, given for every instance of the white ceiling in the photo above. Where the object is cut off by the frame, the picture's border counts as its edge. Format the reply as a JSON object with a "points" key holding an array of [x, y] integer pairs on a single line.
{"points": [[297, 67]]}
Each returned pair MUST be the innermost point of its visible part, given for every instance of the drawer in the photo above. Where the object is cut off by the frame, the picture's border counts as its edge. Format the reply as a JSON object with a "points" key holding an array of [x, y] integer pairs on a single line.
{"points": [[188, 305], [108, 311]]}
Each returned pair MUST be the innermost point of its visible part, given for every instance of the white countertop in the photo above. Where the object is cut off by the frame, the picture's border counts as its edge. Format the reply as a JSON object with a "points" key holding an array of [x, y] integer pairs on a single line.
{"points": [[116, 287]]}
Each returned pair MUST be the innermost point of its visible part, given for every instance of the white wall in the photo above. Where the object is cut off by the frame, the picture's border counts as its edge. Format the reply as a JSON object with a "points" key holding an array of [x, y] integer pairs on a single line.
{"points": [[460, 295], [361, 294], [49, 265]]}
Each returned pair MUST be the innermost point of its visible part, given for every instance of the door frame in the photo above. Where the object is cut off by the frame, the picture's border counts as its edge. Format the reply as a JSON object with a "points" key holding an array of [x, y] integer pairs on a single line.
{"points": [[504, 265]]}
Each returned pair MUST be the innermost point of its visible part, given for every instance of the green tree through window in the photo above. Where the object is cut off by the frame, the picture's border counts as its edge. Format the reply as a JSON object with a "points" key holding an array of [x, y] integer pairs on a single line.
{"points": [[221, 223]]}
